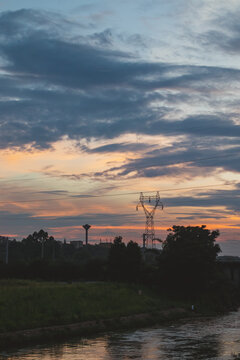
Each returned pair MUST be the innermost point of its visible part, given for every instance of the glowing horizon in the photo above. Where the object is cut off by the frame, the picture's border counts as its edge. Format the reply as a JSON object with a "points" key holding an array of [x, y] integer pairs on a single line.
{"points": [[95, 110]]}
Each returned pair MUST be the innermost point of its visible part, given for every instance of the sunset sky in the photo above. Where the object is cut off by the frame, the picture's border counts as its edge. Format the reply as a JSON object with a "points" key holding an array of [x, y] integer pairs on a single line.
{"points": [[102, 100]]}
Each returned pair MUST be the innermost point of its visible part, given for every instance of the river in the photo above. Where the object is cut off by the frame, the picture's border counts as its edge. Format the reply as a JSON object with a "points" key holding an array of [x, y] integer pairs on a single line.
{"points": [[216, 338]]}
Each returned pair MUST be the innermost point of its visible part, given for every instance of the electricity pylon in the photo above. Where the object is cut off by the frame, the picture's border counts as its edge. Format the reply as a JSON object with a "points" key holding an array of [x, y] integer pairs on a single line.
{"points": [[149, 235]]}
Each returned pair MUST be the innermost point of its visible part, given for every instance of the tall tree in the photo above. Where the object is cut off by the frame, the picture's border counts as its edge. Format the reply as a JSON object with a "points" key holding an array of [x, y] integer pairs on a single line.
{"points": [[39, 244], [133, 261], [124, 262], [117, 259], [188, 258]]}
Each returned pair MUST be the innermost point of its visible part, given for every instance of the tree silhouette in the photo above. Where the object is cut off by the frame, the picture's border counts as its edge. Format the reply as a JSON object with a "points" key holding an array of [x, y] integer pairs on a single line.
{"points": [[39, 244], [133, 261], [124, 262], [188, 258], [116, 259]]}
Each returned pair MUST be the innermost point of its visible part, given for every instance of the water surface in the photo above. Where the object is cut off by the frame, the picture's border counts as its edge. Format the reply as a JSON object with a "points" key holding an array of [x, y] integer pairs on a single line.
{"points": [[216, 338]]}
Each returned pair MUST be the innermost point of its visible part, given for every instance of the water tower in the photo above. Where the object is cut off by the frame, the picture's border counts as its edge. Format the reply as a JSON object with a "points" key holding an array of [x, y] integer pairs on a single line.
{"points": [[86, 227]]}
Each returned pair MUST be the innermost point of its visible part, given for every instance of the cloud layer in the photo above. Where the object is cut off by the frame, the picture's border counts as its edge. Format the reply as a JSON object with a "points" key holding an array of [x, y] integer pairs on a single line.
{"points": [[54, 86], [148, 118]]}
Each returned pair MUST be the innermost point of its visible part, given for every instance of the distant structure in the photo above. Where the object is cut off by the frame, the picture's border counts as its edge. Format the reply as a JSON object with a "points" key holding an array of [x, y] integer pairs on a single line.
{"points": [[154, 201], [86, 227], [77, 244], [105, 244]]}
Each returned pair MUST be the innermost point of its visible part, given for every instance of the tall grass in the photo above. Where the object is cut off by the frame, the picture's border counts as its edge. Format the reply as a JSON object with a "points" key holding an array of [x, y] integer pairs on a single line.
{"points": [[30, 304]]}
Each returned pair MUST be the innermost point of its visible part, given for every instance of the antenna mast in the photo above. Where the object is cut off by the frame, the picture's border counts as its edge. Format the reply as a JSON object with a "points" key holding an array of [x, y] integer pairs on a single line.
{"points": [[149, 235]]}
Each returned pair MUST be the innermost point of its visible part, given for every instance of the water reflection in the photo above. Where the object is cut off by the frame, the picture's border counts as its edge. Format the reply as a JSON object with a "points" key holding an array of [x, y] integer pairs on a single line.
{"points": [[189, 341], [195, 339], [124, 346]]}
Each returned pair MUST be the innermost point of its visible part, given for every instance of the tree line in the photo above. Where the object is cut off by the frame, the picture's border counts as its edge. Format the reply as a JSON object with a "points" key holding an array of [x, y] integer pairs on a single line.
{"points": [[187, 261]]}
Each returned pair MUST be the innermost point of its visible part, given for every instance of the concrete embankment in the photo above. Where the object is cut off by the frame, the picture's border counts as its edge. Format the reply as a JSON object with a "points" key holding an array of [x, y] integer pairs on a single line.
{"points": [[88, 328]]}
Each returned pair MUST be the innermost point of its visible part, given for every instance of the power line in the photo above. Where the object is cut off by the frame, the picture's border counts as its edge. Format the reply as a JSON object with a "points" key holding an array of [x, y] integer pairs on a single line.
{"points": [[134, 193], [163, 190], [167, 164], [85, 196]]}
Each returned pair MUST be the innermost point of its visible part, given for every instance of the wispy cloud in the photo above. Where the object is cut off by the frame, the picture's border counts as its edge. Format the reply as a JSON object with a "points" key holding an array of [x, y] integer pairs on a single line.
{"points": [[56, 88]]}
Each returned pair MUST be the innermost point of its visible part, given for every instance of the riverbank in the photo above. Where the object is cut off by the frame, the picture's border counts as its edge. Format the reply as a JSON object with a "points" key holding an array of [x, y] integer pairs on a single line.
{"points": [[36, 312], [84, 329], [31, 304]]}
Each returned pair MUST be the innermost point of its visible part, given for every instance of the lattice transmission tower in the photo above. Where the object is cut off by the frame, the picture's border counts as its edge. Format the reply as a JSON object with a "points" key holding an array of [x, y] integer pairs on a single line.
{"points": [[154, 202]]}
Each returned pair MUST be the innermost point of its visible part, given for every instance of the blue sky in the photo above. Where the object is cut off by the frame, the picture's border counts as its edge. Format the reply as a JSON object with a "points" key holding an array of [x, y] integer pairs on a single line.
{"points": [[100, 99]]}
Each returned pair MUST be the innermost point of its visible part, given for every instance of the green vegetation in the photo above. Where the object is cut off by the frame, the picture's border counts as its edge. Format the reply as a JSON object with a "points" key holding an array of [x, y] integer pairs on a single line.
{"points": [[124, 261], [30, 304], [185, 272], [188, 259]]}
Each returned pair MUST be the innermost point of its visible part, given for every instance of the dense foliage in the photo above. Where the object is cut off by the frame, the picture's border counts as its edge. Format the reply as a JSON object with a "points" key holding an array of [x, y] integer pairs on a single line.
{"points": [[185, 266], [188, 259], [124, 262]]}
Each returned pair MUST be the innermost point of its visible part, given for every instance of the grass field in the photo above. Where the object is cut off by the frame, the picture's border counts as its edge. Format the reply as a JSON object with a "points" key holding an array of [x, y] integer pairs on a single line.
{"points": [[31, 304]]}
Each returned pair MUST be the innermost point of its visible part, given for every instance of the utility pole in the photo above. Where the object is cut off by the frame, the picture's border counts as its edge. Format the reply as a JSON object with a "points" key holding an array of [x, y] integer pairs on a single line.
{"points": [[53, 250], [154, 201], [86, 227], [42, 247], [6, 258]]}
